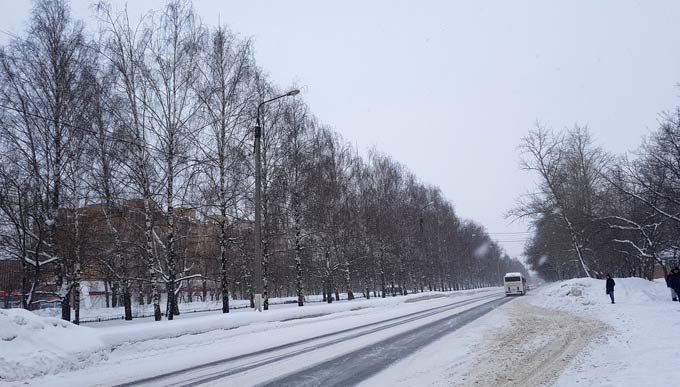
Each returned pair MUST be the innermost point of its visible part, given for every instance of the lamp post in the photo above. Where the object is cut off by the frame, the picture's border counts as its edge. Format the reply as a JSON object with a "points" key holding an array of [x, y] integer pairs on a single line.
{"points": [[423, 255], [257, 267]]}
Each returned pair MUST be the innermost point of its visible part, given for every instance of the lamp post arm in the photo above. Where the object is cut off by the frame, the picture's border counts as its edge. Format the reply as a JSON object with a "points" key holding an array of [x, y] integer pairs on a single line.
{"points": [[259, 107]]}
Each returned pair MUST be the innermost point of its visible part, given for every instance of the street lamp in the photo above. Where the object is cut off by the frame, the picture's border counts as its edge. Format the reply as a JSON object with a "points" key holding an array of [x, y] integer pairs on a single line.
{"points": [[423, 257], [421, 214], [257, 267]]}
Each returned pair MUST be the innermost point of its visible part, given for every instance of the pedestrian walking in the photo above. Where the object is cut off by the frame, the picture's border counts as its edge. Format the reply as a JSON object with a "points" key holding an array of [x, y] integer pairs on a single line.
{"points": [[670, 283], [610, 287]]}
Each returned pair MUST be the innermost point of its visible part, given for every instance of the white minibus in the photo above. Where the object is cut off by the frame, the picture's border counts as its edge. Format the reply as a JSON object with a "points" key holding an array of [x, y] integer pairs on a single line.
{"points": [[515, 284]]}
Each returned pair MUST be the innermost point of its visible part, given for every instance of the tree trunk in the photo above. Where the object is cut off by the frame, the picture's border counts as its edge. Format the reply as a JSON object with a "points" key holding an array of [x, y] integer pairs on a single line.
{"points": [[249, 287], [66, 306], [127, 302], [170, 247], [329, 296], [24, 284], [383, 285], [265, 274], [224, 279], [148, 233], [140, 295], [348, 285], [114, 295], [76, 295], [298, 254]]}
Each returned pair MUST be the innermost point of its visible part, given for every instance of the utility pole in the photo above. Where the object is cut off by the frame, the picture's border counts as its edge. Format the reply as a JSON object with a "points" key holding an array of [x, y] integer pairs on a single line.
{"points": [[257, 264], [423, 252]]}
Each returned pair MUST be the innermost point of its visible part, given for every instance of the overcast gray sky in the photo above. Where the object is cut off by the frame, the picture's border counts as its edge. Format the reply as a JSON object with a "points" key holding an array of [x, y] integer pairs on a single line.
{"points": [[449, 88]]}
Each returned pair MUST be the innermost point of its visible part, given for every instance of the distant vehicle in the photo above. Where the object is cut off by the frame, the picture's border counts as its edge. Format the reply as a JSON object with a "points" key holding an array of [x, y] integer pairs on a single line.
{"points": [[532, 285], [515, 284], [48, 304]]}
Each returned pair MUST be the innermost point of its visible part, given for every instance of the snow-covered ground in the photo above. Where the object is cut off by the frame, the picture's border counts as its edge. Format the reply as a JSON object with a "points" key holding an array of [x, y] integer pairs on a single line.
{"points": [[643, 346], [562, 334], [187, 309], [47, 351]]}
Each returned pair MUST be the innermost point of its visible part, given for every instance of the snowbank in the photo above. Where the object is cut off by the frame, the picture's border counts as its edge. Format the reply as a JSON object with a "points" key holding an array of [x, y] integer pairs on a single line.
{"points": [[589, 294], [31, 345], [644, 345]]}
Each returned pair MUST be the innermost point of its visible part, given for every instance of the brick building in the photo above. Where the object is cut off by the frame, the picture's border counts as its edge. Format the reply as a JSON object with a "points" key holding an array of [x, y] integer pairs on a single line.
{"points": [[112, 247]]}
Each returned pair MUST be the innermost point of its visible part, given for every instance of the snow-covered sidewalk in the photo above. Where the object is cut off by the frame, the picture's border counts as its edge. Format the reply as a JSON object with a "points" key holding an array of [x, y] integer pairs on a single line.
{"points": [[643, 347], [563, 334]]}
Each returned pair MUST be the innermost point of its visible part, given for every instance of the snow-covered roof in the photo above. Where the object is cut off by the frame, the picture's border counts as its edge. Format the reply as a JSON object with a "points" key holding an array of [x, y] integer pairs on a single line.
{"points": [[513, 274]]}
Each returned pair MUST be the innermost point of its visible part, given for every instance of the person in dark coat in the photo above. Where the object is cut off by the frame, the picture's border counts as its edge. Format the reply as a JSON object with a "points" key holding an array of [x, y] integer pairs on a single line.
{"points": [[675, 282], [610, 287], [670, 283]]}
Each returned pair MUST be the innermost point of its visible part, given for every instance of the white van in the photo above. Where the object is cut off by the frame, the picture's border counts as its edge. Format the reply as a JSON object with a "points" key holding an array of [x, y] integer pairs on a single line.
{"points": [[515, 284]]}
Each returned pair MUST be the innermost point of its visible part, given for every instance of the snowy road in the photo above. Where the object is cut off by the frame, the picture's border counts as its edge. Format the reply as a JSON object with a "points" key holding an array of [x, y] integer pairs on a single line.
{"points": [[367, 361], [325, 359], [563, 334]]}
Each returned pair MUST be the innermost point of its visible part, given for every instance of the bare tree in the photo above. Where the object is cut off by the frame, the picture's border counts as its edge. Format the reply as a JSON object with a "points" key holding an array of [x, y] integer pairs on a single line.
{"points": [[125, 49], [546, 153], [44, 99], [226, 94], [175, 40]]}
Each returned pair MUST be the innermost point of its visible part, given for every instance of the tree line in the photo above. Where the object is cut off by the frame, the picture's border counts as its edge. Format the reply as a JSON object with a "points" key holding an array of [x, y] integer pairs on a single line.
{"points": [[596, 213], [126, 155]]}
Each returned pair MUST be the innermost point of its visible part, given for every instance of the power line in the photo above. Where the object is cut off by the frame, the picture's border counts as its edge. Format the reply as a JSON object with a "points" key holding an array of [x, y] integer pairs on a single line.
{"points": [[510, 233], [8, 34]]}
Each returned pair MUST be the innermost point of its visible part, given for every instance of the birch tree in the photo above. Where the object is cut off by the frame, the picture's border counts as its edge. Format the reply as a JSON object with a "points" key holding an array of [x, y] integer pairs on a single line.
{"points": [[175, 40], [125, 49], [227, 97], [44, 103]]}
